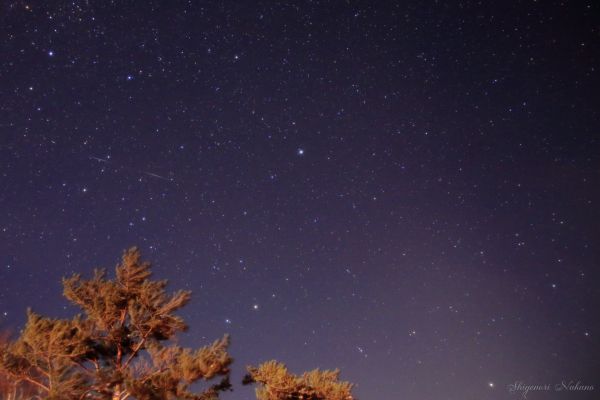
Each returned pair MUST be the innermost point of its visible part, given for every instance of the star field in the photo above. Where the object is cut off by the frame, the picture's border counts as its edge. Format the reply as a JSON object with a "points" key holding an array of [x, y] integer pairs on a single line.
{"points": [[405, 190]]}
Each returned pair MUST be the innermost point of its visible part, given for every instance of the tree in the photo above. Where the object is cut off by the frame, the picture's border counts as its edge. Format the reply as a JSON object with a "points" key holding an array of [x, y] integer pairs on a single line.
{"points": [[276, 383], [121, 347], [11, 389]]}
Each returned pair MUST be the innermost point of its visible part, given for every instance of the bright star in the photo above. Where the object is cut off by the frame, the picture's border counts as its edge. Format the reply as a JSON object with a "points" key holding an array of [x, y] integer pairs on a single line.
{"points": [[300, 152]]}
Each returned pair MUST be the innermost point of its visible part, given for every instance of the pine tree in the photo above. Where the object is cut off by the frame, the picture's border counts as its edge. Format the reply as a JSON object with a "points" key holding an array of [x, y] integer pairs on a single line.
{"points": [[276, 383], [121, 347], [10, 388]]}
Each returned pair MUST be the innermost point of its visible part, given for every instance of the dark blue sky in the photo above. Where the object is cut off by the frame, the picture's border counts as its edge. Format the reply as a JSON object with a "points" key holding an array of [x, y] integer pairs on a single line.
{"points": [[406, 190]]}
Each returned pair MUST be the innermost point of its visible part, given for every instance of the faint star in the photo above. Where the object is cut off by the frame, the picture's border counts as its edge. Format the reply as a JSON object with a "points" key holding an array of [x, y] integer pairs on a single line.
{"points": [[255, 307], [491, 384], [51, 53], [362, 351], [300, 151]]}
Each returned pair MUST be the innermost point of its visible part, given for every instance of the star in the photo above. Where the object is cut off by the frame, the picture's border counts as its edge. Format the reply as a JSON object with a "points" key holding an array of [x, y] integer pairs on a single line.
{"points": [[402, 214]]}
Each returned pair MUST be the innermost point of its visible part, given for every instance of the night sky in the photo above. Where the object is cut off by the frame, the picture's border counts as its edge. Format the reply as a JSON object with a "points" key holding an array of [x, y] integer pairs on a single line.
{"points": [[407, 191]]}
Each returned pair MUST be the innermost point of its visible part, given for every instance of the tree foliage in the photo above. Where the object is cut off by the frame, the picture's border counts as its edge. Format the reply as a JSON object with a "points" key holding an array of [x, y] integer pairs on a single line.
{"points": [[276, 383], [10, 388], [120, 347]]}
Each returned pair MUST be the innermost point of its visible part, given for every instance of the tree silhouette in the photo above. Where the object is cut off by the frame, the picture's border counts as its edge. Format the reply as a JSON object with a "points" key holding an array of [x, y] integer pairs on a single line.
{"points": [[276, 383], [121, 347]]}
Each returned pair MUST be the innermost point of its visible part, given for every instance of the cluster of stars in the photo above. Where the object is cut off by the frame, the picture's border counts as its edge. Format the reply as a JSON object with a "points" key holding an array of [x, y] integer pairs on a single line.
{"points": [[329, 180]]}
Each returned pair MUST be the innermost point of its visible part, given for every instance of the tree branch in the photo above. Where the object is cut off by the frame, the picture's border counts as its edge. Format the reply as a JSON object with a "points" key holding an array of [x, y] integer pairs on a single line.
{"points": [[86, 369], [154, 373], [31, 380], [137, 348]]}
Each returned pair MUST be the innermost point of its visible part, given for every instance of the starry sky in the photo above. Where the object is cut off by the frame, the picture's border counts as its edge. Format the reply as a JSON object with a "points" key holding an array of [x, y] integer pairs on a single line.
{"points": [[408, 191]]}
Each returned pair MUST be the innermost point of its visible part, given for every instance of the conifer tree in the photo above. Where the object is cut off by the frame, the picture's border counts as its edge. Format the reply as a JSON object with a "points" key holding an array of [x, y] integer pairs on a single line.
{"points": [[11, 389], [276, 383], [120, 348]]}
